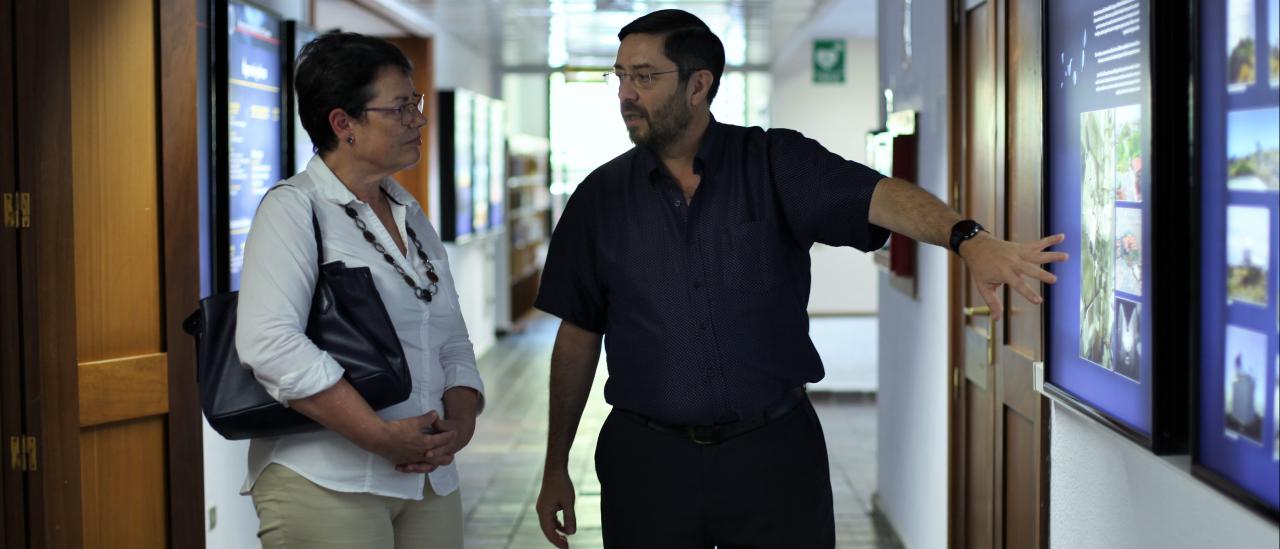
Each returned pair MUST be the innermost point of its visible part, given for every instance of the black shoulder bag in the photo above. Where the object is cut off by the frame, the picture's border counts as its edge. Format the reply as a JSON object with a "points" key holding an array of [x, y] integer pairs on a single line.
{"points": [[348, 320]]}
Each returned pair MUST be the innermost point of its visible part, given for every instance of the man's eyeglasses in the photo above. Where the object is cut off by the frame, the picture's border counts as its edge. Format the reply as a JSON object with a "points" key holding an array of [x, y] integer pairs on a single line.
{"points": [[642, 80], [408, 111]]}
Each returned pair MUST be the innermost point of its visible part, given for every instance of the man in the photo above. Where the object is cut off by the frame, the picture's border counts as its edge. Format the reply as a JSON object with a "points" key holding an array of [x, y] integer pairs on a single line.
{"points": [[691, 252]]}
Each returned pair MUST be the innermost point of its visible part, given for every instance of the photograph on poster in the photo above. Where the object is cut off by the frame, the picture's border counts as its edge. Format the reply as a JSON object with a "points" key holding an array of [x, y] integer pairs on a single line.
{"points": [[1128, 136], [1273, 31], [1128, 339], [1240, 45], [1129, 250], [1253, 150], [1248, 254], [1244, 368], [1097, 225]]}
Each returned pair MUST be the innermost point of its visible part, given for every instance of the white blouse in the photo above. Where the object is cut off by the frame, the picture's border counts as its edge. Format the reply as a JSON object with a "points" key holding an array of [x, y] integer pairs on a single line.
{"points": [[276, 287]]}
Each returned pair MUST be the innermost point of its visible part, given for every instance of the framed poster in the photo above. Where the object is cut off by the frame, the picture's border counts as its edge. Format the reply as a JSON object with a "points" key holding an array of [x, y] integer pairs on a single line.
{"points": [[497, 165], [1236, 444], [249, 64], [480, 184], [1106, 141], [456, 153]]}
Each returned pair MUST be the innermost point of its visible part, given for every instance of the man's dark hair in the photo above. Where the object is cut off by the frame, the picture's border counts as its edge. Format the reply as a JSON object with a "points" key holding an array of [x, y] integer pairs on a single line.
{"points": [[337, 70], [686, 40]]}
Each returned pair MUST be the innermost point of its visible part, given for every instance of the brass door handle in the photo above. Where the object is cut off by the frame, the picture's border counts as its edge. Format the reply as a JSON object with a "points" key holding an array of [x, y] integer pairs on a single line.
{"points": [[977, 311]]}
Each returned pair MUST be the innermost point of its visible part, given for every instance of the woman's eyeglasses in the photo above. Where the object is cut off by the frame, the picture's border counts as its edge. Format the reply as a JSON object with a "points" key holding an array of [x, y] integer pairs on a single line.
{"points": [[408, 111]]}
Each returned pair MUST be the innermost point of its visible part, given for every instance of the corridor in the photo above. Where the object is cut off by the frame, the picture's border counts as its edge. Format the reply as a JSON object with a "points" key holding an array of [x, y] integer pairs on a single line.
{"points": [[502, 467]]}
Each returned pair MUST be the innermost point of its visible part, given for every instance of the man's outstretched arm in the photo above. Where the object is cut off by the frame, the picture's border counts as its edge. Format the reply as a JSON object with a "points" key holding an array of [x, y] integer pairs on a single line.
{"points": [[906, 209]]}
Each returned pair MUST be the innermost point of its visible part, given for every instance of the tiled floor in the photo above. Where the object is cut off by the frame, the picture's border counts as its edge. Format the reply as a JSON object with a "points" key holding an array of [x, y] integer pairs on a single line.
{"points": [[502, 468]]}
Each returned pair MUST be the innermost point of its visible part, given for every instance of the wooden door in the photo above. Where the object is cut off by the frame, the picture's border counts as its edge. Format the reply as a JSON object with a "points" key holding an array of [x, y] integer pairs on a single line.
{"points": [[998, 436]]}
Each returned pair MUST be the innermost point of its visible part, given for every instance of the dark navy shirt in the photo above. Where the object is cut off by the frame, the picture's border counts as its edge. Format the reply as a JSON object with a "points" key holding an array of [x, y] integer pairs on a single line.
{"points": [[703, 305]]}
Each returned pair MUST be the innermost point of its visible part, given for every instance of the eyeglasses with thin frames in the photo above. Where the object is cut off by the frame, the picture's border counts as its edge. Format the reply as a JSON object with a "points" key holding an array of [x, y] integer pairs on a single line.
{"points": [[641, 80], [408, 111]]}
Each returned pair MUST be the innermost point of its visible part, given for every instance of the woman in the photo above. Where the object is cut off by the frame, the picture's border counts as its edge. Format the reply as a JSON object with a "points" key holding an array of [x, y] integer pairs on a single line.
{"points": [[360, 483]]}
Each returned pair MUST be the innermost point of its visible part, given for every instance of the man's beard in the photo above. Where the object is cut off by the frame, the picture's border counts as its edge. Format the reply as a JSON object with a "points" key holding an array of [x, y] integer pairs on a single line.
{"points": [[663, 126]]}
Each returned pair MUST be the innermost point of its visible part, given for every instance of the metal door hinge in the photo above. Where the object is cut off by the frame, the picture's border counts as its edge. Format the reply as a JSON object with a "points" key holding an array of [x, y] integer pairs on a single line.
{"points": [[23, 453], [17, 458], [32, 461], [17, 210]]}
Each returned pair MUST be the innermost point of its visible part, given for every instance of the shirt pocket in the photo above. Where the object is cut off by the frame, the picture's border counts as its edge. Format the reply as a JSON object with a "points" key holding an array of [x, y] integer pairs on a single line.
{"points": [[753, 258]]}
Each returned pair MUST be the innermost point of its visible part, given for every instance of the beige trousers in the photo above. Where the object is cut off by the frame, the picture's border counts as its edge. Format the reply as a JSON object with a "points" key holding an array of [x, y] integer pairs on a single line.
{"points": [[297, 513]]}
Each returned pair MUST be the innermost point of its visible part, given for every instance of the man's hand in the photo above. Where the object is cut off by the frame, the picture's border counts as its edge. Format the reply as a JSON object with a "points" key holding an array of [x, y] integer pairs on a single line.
{"points": [[557, 495], [994, 262]]}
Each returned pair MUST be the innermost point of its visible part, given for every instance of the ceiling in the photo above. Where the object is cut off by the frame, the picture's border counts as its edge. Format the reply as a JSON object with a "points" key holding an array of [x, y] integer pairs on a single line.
{"points": [[535, 34]]}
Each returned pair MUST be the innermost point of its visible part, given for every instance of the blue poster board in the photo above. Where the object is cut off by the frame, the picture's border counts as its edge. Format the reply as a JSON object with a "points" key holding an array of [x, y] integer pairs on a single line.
{"points": [[1098, 186], [1237, 435], [254, 131], [497, 164]]}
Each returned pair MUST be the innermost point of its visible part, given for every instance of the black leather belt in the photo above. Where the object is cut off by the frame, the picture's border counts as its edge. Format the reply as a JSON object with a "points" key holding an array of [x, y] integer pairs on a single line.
{"points": [[715, 434]]}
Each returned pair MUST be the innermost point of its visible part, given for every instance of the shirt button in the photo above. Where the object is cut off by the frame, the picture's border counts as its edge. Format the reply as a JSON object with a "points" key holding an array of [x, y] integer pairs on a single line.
{"points": [[676, 203]]}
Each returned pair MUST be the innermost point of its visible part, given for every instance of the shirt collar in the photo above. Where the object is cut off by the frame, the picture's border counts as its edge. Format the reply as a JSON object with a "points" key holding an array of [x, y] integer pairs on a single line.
{"points": [[330, 188], [704, 162]]}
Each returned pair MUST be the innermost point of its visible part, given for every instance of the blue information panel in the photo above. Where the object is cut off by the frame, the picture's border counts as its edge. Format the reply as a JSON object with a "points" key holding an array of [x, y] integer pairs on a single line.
{"points": [[497, 164], [1098, 122], [254, 130], [480, 184], [1237, 436], [462, 163]]}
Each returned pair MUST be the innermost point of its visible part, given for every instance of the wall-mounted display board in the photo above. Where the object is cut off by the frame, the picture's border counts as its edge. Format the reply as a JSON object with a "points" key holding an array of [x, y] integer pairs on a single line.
{"points": [[1120, 304], [1237, 431], [480, 184], [249, 65], [456, 154], [497, 164]]}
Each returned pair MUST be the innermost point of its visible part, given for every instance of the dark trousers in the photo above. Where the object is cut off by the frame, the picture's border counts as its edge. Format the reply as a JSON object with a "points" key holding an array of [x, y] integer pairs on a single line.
{"points": [[769, 488]]}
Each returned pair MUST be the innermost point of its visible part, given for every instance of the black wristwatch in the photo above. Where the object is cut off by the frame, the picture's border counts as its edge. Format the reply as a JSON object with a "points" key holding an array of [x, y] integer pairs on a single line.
{"points": [[962, 231]]}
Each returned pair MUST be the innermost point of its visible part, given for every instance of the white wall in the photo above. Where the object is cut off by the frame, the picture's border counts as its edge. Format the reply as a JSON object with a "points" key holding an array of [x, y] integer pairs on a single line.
{"points": [[1106, 492], [838, 116], [911, 461]]}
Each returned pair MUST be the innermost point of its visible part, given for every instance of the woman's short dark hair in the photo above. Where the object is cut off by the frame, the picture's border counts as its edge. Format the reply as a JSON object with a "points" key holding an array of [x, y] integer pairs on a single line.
{"points": [[686, 40], [337, 71]]}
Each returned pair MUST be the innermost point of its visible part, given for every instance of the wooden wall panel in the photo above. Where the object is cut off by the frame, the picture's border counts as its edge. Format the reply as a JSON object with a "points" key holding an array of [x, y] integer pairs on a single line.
{"points": [[114, 163], [417, 178], [125, 507]]}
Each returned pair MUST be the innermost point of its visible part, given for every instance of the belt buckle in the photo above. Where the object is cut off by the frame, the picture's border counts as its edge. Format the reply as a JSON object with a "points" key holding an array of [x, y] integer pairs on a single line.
{"points": [[692, 432]]}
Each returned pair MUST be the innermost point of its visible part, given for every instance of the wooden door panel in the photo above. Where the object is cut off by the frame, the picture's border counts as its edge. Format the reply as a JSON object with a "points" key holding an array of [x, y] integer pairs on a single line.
{"points": [[979, 199], [115, 182], [1026, 141], [124, 493], [123, 372], [978, 484], [1020, 479]]}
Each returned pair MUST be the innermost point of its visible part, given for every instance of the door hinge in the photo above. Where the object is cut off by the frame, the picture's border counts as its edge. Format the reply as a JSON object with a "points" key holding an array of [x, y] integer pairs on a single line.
{"points": [[17, 210], [23, 453], [955, 382], [17, 458], [31, 454]]}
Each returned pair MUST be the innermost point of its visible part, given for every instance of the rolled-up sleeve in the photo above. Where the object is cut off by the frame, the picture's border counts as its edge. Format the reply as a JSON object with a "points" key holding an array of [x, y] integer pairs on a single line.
{"points": [[457, 355], [276, 288], [824, 197]]}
